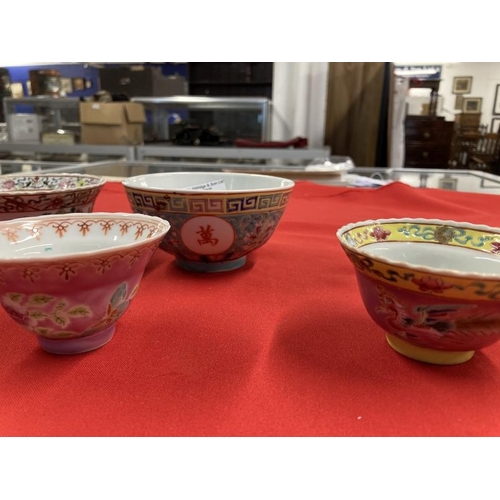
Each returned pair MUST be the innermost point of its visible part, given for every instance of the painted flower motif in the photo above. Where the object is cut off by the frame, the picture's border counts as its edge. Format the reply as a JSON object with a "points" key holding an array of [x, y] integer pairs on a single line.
{"points": [[254, 231], [67, 270], [60, 228], [379, 233], [44, 314], [85, 227], [350, 240], [19, 316], [106, 226], [11, 234], [18, 313], [36, 233], [140, 229], [495, 247], [31, 274], [117, 306], [103, 265], [124, 226], [431, 284], [8, 184], [134, 257]]}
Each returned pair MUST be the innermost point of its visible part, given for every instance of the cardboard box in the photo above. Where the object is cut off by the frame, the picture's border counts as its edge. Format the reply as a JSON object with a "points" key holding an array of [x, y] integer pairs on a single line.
{"points": [[24, 127], [112, 122]]}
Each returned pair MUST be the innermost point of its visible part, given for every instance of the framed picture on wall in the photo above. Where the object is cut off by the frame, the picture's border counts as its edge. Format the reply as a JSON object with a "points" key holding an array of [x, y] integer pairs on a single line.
{"points": [[495, 125], [66, 85], [496, 105], [16, 89], [462, 84], [78, 84], [472, 104]]}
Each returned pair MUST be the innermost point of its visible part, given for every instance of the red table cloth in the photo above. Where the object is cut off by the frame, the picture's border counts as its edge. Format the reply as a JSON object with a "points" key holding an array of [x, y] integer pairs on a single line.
{"points": [[280, 347]]}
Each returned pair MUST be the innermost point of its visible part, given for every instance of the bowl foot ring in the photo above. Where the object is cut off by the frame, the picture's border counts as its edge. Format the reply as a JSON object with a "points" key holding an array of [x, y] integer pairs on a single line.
{"points": [[211, 267], [79, 345], [433, 356]]}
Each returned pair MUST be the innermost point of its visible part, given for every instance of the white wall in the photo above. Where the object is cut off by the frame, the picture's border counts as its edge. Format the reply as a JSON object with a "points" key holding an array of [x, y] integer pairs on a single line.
{"points": [[299, 101], [485, 78]]}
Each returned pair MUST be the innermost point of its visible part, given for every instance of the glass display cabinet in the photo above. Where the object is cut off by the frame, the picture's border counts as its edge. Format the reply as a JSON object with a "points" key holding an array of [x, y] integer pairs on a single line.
{"points": [[174, 119], [473, 181], [55, 113], [30, 166]]}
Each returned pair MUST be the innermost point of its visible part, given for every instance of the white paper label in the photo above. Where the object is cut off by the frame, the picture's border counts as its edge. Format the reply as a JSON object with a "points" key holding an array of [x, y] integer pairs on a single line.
{"points": [[209, 186]]}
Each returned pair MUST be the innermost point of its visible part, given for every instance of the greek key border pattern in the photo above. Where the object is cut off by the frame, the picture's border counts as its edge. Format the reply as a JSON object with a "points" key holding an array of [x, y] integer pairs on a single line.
{"points": [[216, 204]]}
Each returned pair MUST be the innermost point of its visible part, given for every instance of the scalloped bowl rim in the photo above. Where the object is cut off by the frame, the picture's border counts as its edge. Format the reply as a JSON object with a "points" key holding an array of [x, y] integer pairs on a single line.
{"points": [[22, 192], [414, 267], [11, 259], [130, 183]]}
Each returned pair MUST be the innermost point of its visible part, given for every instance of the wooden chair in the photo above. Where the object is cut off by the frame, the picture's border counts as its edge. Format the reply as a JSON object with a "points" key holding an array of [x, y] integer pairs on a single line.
{"points": [[464, 143], [486, 154]]}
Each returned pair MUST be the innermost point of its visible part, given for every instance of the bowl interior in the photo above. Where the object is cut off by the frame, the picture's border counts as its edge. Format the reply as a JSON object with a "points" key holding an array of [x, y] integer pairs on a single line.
{"points": [[437, 257], [202, 181], [47, 237], [430, 244], [47, 182]]}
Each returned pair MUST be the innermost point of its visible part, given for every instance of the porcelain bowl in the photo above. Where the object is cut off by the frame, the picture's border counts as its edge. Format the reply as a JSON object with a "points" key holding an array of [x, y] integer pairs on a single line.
{"points": [[432, 285], [68, 278], [29, 195], [217, 218]]}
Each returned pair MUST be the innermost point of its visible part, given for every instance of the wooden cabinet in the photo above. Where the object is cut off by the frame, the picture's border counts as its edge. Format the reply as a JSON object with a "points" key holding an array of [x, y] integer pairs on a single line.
{"points": [[468, 119], [428, 141]]}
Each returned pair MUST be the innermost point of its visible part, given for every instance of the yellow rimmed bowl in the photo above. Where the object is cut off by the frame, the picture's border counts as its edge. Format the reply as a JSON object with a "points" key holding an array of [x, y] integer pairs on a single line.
{"points": [[432, 285]]}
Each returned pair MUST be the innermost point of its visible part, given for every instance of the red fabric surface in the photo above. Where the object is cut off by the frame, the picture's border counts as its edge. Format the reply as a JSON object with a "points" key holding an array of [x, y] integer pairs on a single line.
{"points": [[281, 347]]}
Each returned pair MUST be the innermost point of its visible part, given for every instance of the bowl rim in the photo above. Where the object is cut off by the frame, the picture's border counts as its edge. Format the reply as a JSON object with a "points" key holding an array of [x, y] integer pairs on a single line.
{"points": [[127, 183], [420, 268], [163, 224], [19, 192]]}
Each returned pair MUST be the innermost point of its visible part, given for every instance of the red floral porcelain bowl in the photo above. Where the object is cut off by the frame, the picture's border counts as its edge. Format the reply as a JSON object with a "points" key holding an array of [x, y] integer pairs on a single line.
{"points": [[27, 195], [69, 278], [432, 285]]}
